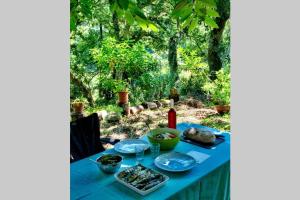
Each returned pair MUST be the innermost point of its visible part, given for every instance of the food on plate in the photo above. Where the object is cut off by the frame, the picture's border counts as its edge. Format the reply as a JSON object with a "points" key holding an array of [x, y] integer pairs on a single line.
{"points": [[199, 135], [165, 136], [109, 159], [141, 177]]}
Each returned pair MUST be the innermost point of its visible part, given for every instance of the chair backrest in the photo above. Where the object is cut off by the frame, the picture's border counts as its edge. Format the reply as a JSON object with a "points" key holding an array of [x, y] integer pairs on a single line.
{"points": [[85, 137]]}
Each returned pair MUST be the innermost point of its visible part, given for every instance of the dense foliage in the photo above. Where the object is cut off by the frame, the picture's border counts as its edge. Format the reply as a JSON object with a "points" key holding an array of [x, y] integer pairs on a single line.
{"points": [[148, 47], [219, 89]]}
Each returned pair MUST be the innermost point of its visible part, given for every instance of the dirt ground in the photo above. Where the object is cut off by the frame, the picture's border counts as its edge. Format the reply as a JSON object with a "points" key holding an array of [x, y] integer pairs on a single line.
{"points": [[135, 126]]}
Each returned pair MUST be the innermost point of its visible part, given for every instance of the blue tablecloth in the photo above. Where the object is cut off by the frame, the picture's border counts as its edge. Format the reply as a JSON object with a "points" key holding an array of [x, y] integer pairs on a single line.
{"points": [[210, 180]]}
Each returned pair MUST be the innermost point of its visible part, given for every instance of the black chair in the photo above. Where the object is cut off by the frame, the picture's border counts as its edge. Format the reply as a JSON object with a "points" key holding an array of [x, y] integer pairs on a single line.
{"points": [[85, 137]]}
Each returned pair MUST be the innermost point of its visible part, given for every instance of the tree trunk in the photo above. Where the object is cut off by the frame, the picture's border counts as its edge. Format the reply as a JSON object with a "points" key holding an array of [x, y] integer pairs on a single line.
{"points": [[173, 58], [214, 60], [215, 38], [84, 89], [101, 32], [116, 25]]}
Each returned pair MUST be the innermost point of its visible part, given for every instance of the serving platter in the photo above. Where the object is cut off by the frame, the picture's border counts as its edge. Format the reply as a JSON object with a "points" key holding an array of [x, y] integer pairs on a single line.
{"points": [[128, 146], [220, 138], [151, 184], [175, 162]]}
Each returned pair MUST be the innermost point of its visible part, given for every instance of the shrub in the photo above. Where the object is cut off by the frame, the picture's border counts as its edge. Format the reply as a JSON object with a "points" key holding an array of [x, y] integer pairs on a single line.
{"points": [[125, 65], [219, 89], [194, 72]]}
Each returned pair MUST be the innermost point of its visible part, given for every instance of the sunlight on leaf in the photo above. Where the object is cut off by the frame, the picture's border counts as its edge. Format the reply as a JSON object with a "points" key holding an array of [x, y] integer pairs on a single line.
{"points": [[193, 25], [153, 27], [213, 13], [210, 22], [129, 18]]}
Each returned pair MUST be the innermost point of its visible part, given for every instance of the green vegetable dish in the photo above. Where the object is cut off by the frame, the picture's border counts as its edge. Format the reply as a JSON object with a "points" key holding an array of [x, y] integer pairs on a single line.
{"points": [[109, 159]]}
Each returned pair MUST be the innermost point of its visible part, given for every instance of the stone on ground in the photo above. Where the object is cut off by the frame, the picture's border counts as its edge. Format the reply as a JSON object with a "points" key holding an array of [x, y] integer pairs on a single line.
{"points": [[150, 105], [102, 114], [140, 108], [165, 102], [194, 103], [134, 110], [159, 104]]}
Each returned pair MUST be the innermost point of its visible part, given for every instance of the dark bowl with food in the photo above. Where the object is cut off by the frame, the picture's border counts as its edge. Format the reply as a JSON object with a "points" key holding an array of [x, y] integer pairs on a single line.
{"points": [[109, 163]]}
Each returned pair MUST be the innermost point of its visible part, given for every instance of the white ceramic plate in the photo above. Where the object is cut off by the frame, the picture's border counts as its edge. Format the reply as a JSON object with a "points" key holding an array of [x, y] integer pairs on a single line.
{"points": [[175, 162], [141, 191], [128, 146]]}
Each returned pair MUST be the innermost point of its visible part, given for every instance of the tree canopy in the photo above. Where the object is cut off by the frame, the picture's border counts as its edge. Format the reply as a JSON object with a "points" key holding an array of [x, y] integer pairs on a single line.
{"points": [[149, 47]]}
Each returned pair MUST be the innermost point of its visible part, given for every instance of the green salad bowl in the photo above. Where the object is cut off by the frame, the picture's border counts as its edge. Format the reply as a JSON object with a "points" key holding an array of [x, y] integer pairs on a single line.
{"points": [[165, 144]]}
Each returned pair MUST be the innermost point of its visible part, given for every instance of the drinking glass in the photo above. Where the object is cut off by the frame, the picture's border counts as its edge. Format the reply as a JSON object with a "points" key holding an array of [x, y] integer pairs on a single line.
{"points": [[155, 149], [139, 153]]}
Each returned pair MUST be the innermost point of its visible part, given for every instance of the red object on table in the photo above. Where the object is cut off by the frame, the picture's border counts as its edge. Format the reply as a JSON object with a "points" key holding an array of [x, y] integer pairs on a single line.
{"points": [[172, 116]]}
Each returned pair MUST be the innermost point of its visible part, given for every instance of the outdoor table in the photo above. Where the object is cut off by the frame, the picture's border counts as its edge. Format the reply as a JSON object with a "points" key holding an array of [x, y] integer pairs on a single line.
{"points": [[209, 180]]}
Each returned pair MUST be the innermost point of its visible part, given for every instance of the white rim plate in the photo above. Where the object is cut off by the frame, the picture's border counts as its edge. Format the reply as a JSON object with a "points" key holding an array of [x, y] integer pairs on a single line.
{"points": [[175, 162], [128, 146]]}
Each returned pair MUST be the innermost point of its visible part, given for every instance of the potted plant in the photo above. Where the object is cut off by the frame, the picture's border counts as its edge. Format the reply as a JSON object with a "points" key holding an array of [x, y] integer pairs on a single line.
{"points": [[78, 104], [222, 107], [174, 94], [122, 89], [219, 91]]}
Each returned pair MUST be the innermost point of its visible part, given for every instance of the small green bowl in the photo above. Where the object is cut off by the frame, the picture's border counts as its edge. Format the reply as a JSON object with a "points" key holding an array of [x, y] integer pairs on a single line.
{"points": [[165, 144]]}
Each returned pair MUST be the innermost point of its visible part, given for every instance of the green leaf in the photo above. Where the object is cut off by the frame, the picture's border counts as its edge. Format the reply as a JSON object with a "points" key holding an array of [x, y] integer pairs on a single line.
{"points": [[86, 8], [183, 10], [120, 12], [129, 18], [199, 4], [210, 3], [212, 13], [186, 15], [73, 4], [138, 12], [187, 22], [180, 4], [210, 22], [72, 23], [193, 25], [113, 7], [123, 4], [153, 27], [141, 22]]}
